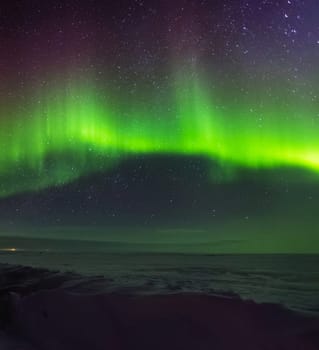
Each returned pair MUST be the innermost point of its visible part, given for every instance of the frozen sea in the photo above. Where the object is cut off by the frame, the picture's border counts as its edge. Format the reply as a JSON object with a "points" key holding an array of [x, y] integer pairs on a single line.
{"points": [[290, 280]]}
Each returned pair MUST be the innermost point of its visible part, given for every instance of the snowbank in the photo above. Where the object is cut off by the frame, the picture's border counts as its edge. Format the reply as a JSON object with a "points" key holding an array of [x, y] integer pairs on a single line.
{"points": [[57, 320]]}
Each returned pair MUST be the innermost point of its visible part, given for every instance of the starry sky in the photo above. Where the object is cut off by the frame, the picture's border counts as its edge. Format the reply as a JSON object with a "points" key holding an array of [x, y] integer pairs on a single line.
{"points": [[177, 121]]}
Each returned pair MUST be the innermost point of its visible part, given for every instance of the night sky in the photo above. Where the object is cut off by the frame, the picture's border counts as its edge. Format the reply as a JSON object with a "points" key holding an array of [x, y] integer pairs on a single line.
{"points": [[188, 120]]}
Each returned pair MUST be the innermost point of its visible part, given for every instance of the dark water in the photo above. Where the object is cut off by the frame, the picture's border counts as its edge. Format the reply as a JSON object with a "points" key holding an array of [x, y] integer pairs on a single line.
{"points": [[291, 280]]}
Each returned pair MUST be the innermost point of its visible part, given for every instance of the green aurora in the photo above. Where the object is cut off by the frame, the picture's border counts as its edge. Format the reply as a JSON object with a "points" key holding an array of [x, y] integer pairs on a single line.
{"points": [[71, 132]]}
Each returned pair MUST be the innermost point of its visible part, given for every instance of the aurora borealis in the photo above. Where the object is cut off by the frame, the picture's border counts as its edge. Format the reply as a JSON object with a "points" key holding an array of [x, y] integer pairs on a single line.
{"points": [[200, 101], [79, 132]]}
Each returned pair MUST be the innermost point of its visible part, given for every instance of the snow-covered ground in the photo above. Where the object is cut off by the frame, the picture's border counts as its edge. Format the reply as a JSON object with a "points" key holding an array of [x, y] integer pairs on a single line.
{"points": [[59, 320], [9, 343]]}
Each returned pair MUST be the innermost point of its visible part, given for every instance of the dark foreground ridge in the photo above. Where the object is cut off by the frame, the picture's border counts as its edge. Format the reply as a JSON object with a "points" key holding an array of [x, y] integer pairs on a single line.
{"points": [[58, 319]]}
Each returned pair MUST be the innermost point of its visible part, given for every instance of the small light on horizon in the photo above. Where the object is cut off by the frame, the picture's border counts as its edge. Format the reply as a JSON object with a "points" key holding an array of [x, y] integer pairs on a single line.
{"points": [[12, 249]]}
